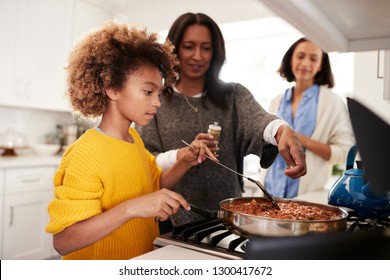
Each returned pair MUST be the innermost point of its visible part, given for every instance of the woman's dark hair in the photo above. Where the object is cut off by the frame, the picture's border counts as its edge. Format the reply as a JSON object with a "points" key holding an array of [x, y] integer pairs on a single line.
{"points": [[213, 85], [323, 77]]}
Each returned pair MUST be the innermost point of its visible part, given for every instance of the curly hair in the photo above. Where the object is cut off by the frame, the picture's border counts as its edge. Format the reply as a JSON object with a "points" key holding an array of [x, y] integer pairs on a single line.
{"points": [[323, 77], [105, 58]]}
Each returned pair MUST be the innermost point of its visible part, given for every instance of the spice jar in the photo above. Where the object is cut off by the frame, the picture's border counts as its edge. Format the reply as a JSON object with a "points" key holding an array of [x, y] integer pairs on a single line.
{"points": [[215, 131]]}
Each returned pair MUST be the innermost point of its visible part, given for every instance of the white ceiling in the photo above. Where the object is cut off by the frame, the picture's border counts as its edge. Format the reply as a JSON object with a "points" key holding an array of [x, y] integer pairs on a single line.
{"points": [[158, 15], [338, 25]]}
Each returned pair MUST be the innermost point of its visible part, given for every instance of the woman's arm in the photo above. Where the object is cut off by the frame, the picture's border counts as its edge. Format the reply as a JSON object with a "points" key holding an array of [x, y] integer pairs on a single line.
{"points": [[187, 158], [316, 147]]}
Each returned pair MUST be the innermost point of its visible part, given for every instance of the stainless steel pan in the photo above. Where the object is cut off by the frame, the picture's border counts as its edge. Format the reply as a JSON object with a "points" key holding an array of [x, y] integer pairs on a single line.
{"points": [[256, 226]]}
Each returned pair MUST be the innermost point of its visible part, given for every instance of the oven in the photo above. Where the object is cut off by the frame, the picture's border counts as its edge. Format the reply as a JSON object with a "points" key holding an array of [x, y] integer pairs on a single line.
{"points": [[211, 237]]}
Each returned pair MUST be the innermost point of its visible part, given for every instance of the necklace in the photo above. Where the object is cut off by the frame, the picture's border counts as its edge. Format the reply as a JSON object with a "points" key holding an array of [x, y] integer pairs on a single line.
{"points": [[195, 109], [180, 91], [101, 131]]}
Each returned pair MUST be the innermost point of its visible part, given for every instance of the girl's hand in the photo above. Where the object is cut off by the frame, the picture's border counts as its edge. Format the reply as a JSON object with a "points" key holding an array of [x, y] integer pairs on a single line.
{"points": [[159, 204]]}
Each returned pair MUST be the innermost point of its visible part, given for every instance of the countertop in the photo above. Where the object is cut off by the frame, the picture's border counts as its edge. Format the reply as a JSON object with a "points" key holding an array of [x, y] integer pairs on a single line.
{"points": [[28, 161], [172, 252], [316, 197], [320, 196]]}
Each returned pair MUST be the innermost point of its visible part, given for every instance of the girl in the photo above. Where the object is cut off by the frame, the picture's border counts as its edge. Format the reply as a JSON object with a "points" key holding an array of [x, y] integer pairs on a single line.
{"points": [[109, 191]]}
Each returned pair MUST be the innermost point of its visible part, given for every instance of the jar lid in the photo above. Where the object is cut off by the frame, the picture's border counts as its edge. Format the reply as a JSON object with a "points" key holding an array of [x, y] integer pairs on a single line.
{"points": [[215, 126]]}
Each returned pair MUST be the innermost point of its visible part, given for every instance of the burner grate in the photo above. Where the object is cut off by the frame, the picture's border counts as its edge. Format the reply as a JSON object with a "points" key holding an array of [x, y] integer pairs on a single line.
{"points": [[199, 236], [218, 238], [355, 223], [183, 232], [209, 234], [233, 245], [212, 237]]}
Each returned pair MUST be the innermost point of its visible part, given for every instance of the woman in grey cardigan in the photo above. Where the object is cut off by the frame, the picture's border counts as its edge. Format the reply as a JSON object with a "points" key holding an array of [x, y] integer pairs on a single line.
{"points": [[199, 98]]}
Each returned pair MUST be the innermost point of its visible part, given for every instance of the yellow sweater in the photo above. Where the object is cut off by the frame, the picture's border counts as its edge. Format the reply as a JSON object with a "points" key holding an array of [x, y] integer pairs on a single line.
{"points": [[96, 173]]}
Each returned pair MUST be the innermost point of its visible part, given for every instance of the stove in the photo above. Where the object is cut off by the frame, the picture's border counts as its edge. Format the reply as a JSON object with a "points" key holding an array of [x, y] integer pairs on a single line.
{"points": [[210, 236], [357, 224]]}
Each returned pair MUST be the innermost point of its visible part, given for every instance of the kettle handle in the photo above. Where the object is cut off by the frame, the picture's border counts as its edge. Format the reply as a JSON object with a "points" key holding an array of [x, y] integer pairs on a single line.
{"points": [[351, 157]]}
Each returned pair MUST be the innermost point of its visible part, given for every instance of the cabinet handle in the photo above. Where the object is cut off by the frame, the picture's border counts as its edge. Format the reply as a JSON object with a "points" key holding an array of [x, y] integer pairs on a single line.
{"points": [[379, 75], [32, 180], [17, 88], [26, 91], [11, 220]]}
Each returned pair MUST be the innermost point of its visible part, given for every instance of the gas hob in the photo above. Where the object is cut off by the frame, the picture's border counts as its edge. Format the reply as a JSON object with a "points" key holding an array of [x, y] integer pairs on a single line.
{"points": [[211, 236]]}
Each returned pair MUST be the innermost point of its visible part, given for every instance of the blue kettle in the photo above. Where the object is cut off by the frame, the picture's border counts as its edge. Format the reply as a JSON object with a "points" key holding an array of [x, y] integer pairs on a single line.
{"points": [[353, 191]]}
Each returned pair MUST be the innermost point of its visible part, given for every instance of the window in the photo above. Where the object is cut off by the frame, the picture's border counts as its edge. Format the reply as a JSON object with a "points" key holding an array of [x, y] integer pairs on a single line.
{"points": [[255, 49]]}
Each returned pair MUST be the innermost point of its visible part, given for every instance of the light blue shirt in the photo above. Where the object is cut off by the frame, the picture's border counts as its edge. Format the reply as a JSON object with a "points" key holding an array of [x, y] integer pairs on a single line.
{"points": [[278, 184]]}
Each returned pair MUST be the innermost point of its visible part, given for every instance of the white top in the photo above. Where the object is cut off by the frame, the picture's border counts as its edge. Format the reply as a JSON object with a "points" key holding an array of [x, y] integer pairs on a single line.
{"points": [[332, 127], [167, 159]]}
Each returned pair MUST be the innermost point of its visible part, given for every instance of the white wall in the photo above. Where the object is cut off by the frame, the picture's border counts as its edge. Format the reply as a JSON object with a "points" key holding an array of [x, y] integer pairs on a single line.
{"points": [[368, 89], [33, 124]]}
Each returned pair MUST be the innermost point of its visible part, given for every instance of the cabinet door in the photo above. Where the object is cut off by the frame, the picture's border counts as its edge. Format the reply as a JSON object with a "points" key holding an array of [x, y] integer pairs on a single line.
{"points": [[1, 210], [41, 45], [39, 36], [2, 180], [86, 16], [8, 20], [1, 227], [25, 219], [33, 54]]}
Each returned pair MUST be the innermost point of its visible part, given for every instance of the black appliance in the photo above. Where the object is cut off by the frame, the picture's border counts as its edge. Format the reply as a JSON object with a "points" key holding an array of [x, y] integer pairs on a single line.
{"points": [[365, 238], [372, 240]]}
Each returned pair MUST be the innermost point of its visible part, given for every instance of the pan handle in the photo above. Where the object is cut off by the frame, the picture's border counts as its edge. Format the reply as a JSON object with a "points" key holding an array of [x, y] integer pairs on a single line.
{"points": [[204, 213]]}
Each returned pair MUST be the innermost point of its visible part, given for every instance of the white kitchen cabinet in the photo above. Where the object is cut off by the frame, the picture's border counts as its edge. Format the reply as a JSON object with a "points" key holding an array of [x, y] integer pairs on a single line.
{"points": [[87, 15], [369, 83], [1, 183], [1, 209], [25, 218], [39, 37], [27, 192], [8, 12], [28, 179]]}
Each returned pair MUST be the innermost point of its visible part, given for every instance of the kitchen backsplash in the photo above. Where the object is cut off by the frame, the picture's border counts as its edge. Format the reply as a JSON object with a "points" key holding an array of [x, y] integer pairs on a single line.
{"points": [[33, 124]]}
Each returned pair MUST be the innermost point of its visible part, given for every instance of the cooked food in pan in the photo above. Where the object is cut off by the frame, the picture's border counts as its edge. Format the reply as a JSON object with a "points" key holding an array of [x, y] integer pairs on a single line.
{"points": [[289, 210]]}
